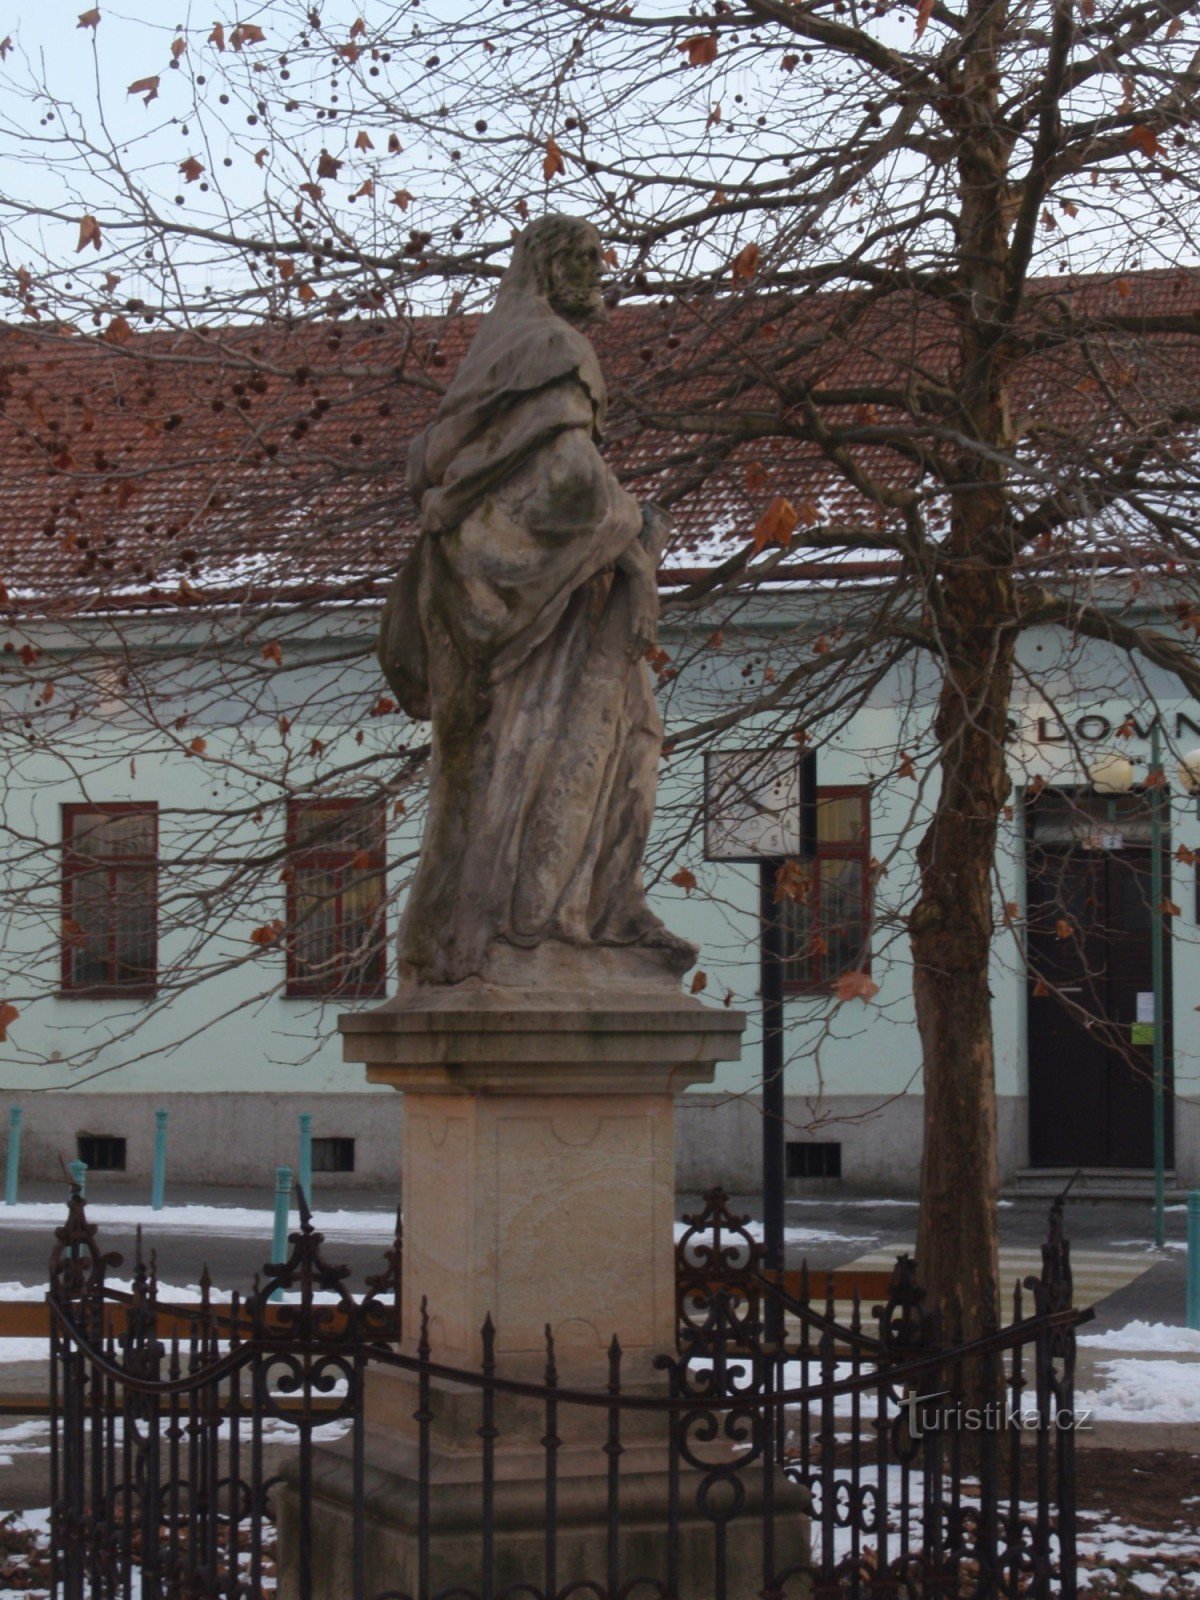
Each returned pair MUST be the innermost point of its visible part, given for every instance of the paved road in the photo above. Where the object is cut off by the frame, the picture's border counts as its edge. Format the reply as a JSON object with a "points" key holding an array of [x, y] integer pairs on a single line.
{"points": [[827, 1230]]}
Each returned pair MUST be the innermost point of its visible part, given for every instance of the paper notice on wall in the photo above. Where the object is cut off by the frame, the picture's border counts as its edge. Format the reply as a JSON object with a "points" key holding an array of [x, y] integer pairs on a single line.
{"points": [[1141, 1033], [1145, 1005]]}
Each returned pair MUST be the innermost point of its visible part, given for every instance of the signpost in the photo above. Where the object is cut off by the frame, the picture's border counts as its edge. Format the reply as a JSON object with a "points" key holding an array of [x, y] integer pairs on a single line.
{"points": [[761, 808]]}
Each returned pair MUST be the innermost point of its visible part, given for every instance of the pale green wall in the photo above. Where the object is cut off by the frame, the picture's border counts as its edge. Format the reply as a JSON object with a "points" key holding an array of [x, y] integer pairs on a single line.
{"points": [[219, 1036]]}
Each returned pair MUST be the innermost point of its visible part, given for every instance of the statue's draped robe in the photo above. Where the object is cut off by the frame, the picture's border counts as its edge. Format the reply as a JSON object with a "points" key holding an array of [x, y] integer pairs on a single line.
{"points": [[510, 628]]}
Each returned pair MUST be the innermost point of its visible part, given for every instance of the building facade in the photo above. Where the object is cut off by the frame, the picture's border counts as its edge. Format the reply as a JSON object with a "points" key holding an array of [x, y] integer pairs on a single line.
{"points": [[124, 1008]]}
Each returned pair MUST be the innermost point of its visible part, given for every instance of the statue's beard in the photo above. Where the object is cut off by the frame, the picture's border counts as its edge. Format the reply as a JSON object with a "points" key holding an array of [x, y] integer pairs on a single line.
{"points": [[581, 307]]}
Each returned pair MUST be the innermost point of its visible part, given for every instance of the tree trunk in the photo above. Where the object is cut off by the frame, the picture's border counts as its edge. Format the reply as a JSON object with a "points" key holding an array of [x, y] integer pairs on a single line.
{"points": [[951, 926], [951, 933]]}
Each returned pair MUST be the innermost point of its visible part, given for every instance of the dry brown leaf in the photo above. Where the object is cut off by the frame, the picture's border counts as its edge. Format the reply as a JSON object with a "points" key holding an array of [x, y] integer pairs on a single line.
{"points": [[684, 879], [553, 164], [146, 87], [745, 264], [776, 525], [855, 986], [89, 233], [701, 49], [793, 881]]}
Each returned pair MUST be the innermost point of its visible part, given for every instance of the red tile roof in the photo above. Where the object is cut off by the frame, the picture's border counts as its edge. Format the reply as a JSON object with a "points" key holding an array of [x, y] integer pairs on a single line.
{"points": [[183, 467]]}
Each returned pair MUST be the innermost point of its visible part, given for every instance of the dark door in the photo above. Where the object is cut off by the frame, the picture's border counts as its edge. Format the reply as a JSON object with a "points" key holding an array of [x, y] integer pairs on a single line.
{"points": [[1091, 1060]]}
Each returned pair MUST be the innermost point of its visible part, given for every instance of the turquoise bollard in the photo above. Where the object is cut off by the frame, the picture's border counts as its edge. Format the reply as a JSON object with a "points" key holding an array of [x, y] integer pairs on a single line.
{"points": [[13, 1169], [160, 1161], [283, 1195], [306, 1156]]}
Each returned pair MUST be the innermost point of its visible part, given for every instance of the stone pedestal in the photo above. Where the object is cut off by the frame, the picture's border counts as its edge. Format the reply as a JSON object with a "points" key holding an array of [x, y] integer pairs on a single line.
{"points": [[539, 1165], [538, 1188]]}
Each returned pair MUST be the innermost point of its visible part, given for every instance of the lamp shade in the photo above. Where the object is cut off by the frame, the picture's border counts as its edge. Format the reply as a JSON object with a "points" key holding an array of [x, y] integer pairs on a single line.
{"points": [[1189, 772], [1111, 773]]}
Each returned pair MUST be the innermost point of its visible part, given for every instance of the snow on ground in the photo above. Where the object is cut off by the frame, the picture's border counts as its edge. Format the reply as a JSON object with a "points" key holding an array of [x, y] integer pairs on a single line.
{"points": [[1158, 1338], [341, 1226], [1116, 1558], [28, 1438], [232, 1221], [1150, 1249], [1144, 1391]]}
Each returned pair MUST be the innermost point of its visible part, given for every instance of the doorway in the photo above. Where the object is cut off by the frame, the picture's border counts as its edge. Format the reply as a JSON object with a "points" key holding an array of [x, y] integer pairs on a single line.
{"points": [[1090, 1029]]}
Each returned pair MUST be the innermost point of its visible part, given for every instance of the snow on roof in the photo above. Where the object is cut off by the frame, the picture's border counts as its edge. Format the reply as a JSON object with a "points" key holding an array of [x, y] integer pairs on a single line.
{"points": [[179, 468]]}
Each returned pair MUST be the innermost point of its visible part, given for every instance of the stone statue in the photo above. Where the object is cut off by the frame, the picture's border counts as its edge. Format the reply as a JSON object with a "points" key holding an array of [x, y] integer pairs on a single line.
{"points": [[519, 625]]}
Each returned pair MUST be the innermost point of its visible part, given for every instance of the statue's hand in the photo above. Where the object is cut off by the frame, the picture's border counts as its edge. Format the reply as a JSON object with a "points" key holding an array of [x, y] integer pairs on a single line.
{"points": [[657, 528], [644, 625]]}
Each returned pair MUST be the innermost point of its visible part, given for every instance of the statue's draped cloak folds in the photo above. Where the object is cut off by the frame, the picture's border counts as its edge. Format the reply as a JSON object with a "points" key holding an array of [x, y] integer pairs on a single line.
{"points": [[511, 628]]}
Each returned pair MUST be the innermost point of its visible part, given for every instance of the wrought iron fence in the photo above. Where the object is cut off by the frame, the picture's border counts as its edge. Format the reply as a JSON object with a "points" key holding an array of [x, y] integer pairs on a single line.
{"points": [[193, 1448]]}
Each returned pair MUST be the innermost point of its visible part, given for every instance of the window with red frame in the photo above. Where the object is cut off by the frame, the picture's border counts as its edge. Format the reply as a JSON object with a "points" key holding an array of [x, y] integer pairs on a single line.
{"points": [[827, 913], [336, 888], [110, 899]]}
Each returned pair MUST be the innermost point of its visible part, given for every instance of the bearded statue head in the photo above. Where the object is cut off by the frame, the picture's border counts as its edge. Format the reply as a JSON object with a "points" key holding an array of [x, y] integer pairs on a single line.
{"points": [[560, 259]]}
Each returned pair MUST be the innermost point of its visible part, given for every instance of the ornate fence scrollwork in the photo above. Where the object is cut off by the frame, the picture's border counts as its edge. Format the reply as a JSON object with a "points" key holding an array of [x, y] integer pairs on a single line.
{"points": [[176, 1427]]}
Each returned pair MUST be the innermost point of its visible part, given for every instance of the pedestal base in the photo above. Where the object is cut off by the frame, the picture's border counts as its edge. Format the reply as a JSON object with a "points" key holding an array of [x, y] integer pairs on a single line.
{"points": [[649, 1531]]}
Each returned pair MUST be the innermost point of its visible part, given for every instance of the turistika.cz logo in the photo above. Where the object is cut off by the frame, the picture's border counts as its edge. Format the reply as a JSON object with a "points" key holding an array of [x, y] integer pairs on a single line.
{"points": [[941, 1413]]}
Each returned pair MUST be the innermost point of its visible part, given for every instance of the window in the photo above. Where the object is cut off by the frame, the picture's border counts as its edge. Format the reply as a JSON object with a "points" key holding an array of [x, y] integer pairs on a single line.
{"points": [[110, 899], [101, 1152], [333, 1155], [818, 1158], [336, 888], [827, 918]]}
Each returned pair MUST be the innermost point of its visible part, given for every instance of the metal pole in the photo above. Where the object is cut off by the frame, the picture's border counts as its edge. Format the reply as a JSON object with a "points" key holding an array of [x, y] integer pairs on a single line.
{"points": [[773, 1155], [306, 1156], [13, 1169], [160, 1161], [78, 1171], [1193, 1260], [1157, 796], [283, 1195]]}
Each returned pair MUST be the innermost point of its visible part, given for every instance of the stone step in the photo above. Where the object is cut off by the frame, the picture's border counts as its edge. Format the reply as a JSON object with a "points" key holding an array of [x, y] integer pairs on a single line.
{"points": [[1091, 1183]]}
